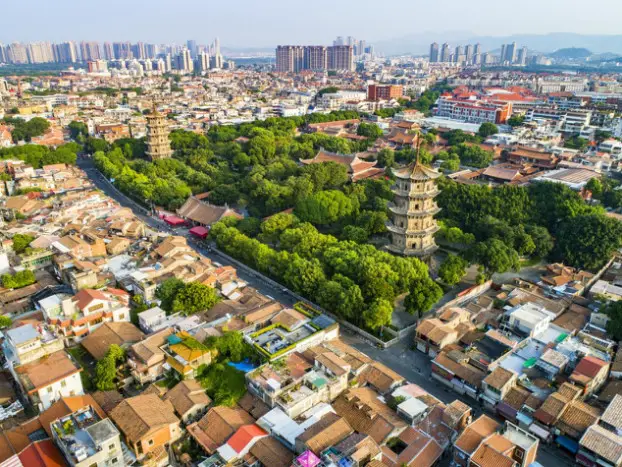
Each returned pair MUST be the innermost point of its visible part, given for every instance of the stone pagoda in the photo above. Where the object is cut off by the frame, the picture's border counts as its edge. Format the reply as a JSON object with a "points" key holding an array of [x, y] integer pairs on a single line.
{"points": [[413, 225], [158, 144]]}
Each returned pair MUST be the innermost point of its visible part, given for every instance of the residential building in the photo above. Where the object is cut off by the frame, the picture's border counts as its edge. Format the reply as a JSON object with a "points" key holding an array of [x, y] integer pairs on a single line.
{"points": [[529, 319], [217, 426], [184, 355], [496, 385], [122, 334], [86, 439], [48, 379], [602, 442], [474, 111], [340, 58], [148, 425], [146, 358], [590, 374], [189, 400], [74, 317], [434, 53], [326, 432], [387, 92], [26, 343]]}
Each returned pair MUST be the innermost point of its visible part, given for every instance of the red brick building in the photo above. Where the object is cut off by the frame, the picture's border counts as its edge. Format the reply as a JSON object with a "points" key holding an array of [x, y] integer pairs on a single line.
{"points": [[376, 92]]}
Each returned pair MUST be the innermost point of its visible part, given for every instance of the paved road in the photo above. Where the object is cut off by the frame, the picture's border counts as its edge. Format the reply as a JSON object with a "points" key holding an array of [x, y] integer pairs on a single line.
{"points": [[413, 365]]}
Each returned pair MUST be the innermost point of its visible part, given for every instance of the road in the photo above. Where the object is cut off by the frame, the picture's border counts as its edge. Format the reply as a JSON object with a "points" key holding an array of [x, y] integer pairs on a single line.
{"points": [[413, 365]]}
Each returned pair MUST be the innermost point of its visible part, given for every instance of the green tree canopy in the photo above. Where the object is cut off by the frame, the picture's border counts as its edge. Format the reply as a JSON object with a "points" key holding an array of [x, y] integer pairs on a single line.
{"points": [[378, 315], [324, 207], [452, 270], [195, 297], [487, 129], [424, 293]]}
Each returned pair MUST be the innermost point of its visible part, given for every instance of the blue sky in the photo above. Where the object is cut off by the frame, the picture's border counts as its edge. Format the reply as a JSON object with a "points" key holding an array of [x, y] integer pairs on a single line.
{"points": [[264, 23]]}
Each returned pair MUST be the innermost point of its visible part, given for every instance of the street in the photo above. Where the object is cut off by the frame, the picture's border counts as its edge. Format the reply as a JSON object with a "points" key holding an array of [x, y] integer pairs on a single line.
{"points": [[413, 365]]}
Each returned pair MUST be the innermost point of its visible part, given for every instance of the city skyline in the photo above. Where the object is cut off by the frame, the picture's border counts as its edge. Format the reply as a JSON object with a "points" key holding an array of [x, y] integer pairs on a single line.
{"points": [[263, 27]]}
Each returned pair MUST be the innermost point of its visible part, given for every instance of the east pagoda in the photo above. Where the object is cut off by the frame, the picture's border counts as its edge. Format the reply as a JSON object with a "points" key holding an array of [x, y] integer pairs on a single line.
{"points": [[412, 213], [158, 144]]}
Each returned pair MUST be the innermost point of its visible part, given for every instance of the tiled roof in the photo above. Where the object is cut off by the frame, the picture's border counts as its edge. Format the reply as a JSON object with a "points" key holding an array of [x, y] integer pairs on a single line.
{"points": [[47, 370], [552, 409], [367, 414], [516, 397], [98, 342], [137, 416], [272, 453], [215, 428], [326, 432], [186, 395], [381, 377], [613, 413], [606, 444], [577, 418], [473, 434], [488, 456], [499, 377], [589, 366]]}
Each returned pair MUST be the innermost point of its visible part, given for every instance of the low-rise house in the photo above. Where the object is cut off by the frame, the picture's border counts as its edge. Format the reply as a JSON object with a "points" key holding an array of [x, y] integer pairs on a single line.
{"points": [[155, 319], [529, 319], [552, 363], [550, 412], [122, 334], [412, 448], [86, 439], [185, 354], [240, 443], [363, 410], [590, 374], [49, 378], [471, 438], [326, 432], [77, 316], [380, 377], [454, 370], [269, 452], [496, 385], [148, 424], [602, 442], [25, 344], [575, 419], [434, 334], [189, 400], [217, 426], [146, 358], [603, 288]]}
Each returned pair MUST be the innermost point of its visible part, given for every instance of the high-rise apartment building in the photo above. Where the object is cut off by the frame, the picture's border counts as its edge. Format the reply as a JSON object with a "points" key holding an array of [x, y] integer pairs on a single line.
{"points": [[108, 53], [510, 52], [40, 52], [89, 51], [434, 52], [445, 53], [3, 55], [339, 41], [17, 53], [184, 61], [340, 57], [468, 52], [315, 58], [138, 51], [289, 58], [122, 50], [192, 47], [65, 52], [203, 62], [477, 49], [521, 58]]}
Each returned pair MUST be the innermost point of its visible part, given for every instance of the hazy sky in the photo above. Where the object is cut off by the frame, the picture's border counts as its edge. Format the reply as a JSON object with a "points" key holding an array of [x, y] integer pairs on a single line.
{"points": [[263, 23]]}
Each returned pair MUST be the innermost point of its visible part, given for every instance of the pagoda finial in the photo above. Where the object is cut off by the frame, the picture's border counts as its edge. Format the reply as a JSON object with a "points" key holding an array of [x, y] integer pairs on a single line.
{"points": [[417, 160]]}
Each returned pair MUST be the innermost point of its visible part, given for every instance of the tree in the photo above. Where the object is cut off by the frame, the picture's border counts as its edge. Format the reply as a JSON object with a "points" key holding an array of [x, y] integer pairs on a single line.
{"points": [[370, 130], [424, 293], [106, 368], [21, 242], [324, 207], [516, 120], [194, 298], [542, 240], [272, 227], [378, 314], [19, 279], [595, 186], [614, 327], [495, 256], [355, 234], [386, 158], [452, 270], [326, 175], [230, 346], [487, 129], [77, 129], [451, 164], [587, 241], [5, 322], [167, 292]]}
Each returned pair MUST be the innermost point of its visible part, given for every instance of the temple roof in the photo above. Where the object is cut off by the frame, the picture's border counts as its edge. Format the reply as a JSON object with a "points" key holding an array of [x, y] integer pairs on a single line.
{"points": [[417, 171]]}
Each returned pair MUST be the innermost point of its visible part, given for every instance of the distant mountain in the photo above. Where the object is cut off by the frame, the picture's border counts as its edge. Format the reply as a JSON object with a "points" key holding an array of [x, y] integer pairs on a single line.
{"points": [[571, 53], [419, 44]]}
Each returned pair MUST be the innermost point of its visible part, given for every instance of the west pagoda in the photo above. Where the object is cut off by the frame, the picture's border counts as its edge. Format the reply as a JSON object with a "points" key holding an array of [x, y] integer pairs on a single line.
{"points": [[158, 144], [412, 213]]}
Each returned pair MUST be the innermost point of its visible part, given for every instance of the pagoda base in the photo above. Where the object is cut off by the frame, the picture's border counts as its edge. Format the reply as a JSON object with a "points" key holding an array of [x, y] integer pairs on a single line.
{"points": [[411, 252]]}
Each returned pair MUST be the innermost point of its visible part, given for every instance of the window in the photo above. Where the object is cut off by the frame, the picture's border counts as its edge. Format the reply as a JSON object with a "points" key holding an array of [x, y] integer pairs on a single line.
{"points": [[114, 461], [112, 447], [49, 389], [150, 442], [122, 316], [63, 383]]}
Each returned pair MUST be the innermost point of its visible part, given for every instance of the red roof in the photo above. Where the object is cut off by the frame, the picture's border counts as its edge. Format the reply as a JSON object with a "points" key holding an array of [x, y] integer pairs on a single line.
{"points": [[42, 454], [174, 220], [199, 231], [245, 435], [589, 366]]}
